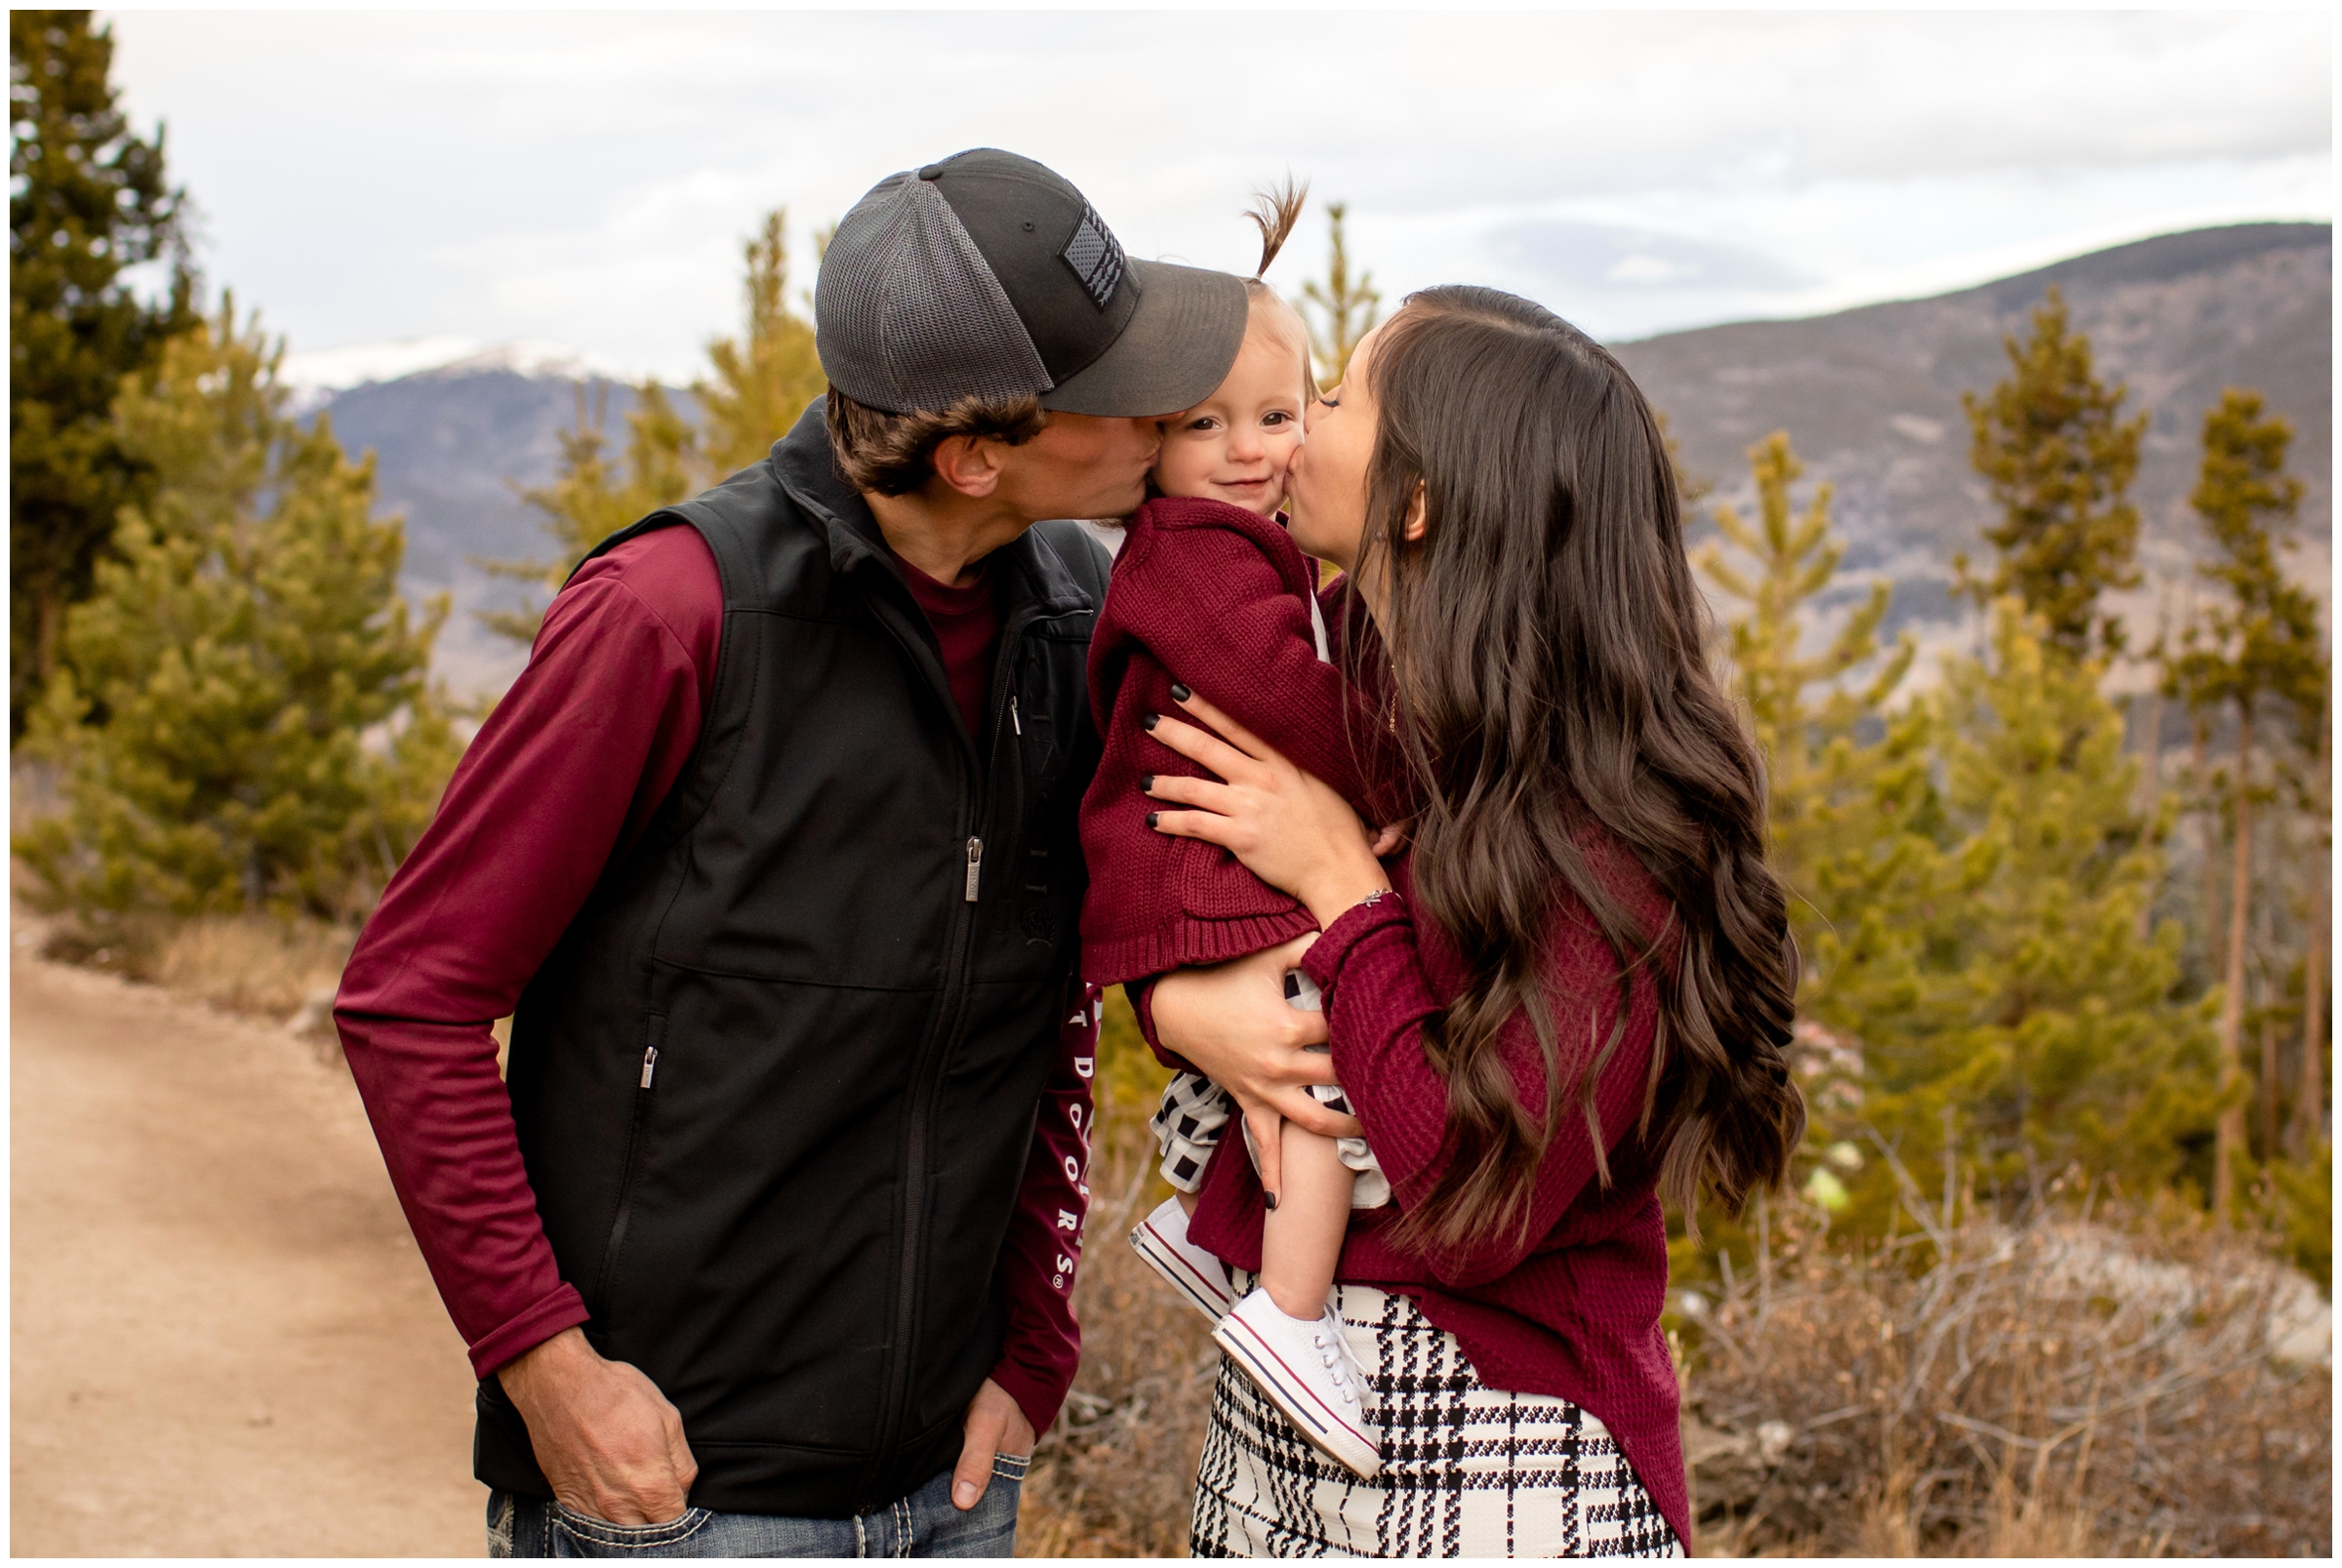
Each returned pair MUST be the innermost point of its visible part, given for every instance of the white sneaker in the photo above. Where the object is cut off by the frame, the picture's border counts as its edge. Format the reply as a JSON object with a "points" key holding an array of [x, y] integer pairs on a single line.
{"points": [[1306, 1369], [1161, 1238]]}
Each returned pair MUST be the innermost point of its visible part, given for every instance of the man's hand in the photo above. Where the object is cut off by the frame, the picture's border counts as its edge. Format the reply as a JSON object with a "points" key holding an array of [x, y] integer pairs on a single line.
{"points": [[1233, 1021], [997, 1424], [603, 1433]]}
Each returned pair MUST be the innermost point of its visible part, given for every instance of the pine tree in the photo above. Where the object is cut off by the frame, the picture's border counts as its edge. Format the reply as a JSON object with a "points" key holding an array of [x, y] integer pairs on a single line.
{"points": [[1843, 807], [2038, 1019], [764, 381], [270, 737], [1347, 308], [2309, 1094], [2059, 459], [1797, 558], [2257, 652], [1848, 789], [87, 201]]}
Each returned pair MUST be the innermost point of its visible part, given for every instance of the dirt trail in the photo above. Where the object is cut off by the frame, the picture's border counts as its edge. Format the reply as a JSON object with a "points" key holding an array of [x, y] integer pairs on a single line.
{"points": [[223, 1339]]}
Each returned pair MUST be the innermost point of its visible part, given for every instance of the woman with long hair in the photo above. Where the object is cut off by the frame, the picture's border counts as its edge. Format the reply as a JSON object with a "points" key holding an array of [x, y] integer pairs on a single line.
{"points": [[1568, 1000]]}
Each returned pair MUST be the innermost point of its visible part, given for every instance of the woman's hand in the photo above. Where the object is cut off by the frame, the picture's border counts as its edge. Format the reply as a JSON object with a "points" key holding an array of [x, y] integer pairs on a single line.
{"points": [[1288, 827], [1232, 1023]]}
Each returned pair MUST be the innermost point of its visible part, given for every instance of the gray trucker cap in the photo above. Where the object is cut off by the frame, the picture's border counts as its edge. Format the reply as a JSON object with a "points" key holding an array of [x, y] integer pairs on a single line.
{"points": [[987, 275]]}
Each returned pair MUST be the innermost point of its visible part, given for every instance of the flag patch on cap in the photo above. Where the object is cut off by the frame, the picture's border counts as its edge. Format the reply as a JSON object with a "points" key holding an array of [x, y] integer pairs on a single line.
{"points": [[1095, 255]]}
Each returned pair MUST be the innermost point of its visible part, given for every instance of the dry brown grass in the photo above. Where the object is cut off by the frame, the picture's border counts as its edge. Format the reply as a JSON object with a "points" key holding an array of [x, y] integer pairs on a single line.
{"points": [[2059, 1387], [249, 964], [255, 965]]}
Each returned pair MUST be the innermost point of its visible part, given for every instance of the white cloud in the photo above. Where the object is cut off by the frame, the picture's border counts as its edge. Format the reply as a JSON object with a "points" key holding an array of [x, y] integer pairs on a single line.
{"points": [[1641, 268], [586, 178]]}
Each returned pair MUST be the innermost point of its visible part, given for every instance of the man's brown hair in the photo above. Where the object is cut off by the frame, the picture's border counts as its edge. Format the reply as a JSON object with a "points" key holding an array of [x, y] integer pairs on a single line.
{"points": [[894, 453]]}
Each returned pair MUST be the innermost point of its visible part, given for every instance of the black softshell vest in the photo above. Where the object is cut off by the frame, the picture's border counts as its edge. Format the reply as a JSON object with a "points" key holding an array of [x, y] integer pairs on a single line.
{"points": [[775, 1086]]}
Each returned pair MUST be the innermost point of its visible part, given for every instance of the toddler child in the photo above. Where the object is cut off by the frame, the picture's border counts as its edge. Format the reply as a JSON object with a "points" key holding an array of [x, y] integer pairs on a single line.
{"points": [[1208, 589]]}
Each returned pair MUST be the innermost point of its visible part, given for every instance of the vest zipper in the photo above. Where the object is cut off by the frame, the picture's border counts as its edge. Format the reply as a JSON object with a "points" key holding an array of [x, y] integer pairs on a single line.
{"points": [[937, 1048], [626, 1185]]}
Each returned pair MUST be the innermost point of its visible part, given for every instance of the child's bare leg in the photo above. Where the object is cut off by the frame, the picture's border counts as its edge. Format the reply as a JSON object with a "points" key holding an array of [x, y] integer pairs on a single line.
{"points": [[1302, 1238], [1186, 1202]]}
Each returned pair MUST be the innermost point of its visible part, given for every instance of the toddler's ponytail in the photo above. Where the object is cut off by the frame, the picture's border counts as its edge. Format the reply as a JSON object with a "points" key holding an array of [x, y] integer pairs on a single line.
{"points": [[1274, 212]]}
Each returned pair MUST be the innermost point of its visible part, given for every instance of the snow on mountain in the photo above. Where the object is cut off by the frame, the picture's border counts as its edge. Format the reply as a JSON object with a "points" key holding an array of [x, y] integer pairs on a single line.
{"points": [[318, 375], [356, 363], [537, 361]]}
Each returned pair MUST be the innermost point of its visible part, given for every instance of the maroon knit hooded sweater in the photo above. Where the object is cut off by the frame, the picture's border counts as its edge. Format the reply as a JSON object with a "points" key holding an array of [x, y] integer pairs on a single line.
{"points": [[1217, 598]]}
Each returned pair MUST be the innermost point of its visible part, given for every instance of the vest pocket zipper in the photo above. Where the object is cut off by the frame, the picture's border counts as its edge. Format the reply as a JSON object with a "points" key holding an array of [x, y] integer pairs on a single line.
{"points": [[654, 1032], [975, 866]]}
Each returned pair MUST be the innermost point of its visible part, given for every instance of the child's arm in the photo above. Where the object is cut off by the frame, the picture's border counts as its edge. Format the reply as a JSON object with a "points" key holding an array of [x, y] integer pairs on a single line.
{"points": [[1215, 611]]}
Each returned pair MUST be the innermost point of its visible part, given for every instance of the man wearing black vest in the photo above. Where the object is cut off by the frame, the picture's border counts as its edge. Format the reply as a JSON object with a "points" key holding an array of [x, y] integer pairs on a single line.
{"points": [[764, 1242]]}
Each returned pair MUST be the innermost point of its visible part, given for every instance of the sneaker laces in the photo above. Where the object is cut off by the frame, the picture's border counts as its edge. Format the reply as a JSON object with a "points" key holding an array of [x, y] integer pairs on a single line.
{"points": [[1330, 1352]]}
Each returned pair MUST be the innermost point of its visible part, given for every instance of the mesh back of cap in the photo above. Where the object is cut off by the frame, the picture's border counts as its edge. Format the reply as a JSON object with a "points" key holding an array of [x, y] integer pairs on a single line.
{"points": [[907, 314]]}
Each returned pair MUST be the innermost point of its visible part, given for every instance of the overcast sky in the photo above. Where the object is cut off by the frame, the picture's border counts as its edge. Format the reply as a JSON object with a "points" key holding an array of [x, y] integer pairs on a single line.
{"points": [[585, 178]]}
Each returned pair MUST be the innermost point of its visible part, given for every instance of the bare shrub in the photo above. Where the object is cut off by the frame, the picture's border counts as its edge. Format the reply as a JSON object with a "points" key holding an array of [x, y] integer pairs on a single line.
{"points": [[2055, 1386], [254, 964]]}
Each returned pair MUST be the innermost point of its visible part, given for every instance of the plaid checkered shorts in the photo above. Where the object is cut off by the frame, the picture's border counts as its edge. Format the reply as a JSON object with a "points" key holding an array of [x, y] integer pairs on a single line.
{"points": [[1195, 1110], [1467, 1470]]}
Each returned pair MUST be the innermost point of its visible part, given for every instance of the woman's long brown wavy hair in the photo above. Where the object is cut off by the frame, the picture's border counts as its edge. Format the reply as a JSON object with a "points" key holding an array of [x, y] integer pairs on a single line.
{"points": [[1548, 649]]}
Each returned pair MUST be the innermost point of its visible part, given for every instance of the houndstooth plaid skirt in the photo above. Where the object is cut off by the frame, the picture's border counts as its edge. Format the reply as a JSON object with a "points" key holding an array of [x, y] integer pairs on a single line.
{"points": [[1467, 1471]]}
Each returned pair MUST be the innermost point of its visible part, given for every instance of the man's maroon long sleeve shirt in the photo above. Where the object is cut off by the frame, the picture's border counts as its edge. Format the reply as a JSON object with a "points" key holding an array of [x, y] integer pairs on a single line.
{"points": [[563, 778]]}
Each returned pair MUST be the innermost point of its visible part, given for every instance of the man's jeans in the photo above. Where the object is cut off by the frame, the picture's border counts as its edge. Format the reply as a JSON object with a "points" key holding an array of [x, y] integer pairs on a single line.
{"points": [[923, 1524]]}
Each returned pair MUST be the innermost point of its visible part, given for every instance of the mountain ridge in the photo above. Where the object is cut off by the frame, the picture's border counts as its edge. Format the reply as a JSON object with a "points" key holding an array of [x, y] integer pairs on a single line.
{"points": [[1869, 395]]}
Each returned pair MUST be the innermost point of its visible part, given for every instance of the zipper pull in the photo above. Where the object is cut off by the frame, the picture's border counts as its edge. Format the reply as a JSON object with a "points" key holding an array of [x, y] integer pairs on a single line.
{"points": [[975, 866], [650, 1065], [1012, 716]]}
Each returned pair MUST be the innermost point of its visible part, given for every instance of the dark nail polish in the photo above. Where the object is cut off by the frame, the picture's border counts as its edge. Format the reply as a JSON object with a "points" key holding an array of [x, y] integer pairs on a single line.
{"points": [[1154, 817], [1146, 781], [1149, 721], [1179, 693], [1270, 1198]]}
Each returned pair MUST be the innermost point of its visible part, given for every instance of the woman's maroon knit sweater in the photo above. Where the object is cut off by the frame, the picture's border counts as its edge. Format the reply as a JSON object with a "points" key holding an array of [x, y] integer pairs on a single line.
{"points": [[1573, 1309], [1218, 598]]}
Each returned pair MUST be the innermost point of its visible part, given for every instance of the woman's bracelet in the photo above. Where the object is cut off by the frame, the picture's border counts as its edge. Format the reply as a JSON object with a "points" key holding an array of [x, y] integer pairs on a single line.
{"points": [[1375, 900]]}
